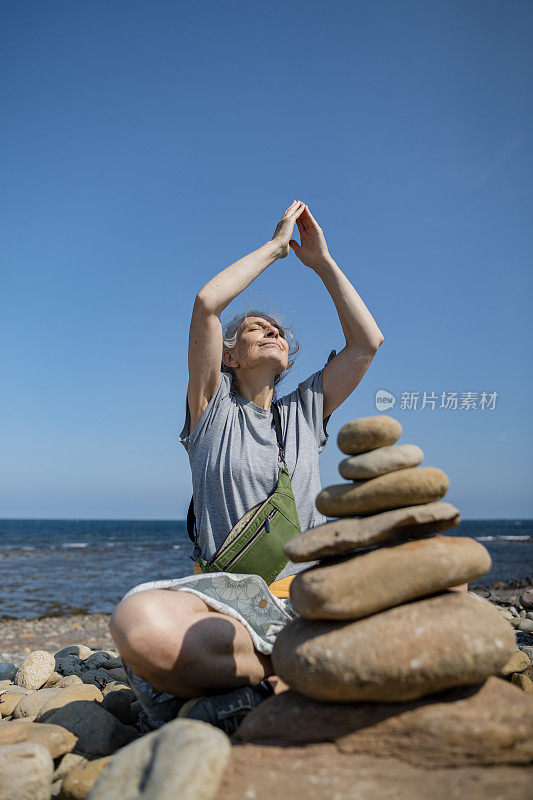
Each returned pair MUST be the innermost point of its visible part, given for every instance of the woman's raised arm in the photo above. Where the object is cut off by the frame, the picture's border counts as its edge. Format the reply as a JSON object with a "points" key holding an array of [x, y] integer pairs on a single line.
{"points": [[363, 337], [205, 334]]}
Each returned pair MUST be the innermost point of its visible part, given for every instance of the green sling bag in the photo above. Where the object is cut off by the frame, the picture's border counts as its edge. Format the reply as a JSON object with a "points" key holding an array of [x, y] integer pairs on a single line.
{"points": [[255, 543]]}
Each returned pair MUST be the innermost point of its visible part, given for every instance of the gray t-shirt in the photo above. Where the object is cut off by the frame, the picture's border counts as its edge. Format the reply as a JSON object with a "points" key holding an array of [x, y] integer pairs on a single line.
{"points": [[233, 455]]}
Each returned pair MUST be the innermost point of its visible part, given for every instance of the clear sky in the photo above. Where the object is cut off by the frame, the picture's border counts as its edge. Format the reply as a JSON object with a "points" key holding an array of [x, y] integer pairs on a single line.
{"points": [[148, 145]]}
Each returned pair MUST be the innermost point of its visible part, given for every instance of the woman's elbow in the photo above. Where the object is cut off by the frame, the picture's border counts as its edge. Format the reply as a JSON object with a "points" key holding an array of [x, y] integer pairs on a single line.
{"points": [[205, 302], [376, 343]]}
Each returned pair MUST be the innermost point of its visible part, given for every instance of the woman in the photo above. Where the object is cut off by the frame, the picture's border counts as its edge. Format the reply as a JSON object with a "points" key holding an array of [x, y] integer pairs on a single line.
{"points": [[203, 650]]}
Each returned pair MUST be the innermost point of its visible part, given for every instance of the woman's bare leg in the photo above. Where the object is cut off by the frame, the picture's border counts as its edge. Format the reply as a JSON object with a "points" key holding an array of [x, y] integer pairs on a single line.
{"points": [[178, 643]]}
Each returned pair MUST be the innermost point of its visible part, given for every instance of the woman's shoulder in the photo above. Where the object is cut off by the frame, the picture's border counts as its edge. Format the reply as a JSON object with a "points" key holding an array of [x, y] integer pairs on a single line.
{"points": [[209, 414]]}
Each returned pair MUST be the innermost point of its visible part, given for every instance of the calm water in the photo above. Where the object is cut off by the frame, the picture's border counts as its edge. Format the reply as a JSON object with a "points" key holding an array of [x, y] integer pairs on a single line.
{"points": [[56, 567]]}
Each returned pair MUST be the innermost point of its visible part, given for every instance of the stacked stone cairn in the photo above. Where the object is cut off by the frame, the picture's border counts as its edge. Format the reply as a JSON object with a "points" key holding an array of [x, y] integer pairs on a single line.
{"points": [[378, 618]]}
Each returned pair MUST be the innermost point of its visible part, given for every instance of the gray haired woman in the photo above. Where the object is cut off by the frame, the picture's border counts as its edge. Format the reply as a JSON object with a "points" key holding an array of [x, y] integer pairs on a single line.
{"points": [[200, 646]]}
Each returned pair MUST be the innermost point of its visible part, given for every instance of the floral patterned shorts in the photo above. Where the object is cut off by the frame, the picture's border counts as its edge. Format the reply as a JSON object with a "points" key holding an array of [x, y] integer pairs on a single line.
{"points": [[244, 597]]}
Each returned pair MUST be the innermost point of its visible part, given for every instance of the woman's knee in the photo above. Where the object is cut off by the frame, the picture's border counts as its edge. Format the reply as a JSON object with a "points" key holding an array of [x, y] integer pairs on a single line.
{"points": [[149, 625]]}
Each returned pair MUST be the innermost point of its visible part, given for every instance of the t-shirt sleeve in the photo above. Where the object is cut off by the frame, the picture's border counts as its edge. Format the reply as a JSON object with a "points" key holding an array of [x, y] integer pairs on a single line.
{"points": [[213, 407], [309, 397]]}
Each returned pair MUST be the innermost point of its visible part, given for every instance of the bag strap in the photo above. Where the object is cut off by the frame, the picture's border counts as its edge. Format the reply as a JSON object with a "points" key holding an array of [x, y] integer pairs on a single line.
{"points": [[191, 518], [279, 437]]}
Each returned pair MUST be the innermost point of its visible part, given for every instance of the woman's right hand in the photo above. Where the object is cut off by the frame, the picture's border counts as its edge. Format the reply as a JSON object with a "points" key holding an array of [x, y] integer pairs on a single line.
{"points": [[284, 228]]}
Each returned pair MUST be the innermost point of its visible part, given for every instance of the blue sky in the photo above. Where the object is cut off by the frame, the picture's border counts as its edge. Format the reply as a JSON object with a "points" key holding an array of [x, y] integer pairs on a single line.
{"points": [[148, 145]]}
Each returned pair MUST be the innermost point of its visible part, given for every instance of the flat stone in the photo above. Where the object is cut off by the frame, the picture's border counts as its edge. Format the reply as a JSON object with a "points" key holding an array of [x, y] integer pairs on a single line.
{"points": [[36, 670], [486, 724], [69, 695], [371, 582], [368, 433], [404, 487], [525, 625], [56, 740], [518, 662], [98, 732], [523, 682], [7, 671], [321, 772], [183, 759], [344, 535], [79, 781], [380, 461], [451, 639], [25, 772], [30, 705]]}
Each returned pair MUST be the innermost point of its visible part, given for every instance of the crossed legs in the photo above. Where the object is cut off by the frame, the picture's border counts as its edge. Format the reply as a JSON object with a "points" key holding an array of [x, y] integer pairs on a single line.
{"points": [[182, 646]]}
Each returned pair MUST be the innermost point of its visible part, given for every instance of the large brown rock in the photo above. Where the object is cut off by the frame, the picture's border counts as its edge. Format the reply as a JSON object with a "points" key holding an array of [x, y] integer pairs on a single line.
{"points": [[404, 487], [321, 772], [451, 639], [98, 732], [490, 723], [56, 740], [367, 433], [388, 576], [343, 535], [379, 461]]}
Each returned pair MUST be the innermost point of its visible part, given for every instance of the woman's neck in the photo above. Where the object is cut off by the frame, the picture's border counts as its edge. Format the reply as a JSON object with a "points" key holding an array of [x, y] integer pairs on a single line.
{"points": [[257, 388]]}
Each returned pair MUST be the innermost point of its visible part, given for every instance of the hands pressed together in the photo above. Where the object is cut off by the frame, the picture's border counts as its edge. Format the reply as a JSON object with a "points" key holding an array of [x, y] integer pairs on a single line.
{"points": [[312, 250]]}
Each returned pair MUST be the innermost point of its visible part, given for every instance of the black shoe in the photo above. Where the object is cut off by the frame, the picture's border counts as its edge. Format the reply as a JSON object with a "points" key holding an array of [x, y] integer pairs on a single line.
{"points": [[227, 711]]}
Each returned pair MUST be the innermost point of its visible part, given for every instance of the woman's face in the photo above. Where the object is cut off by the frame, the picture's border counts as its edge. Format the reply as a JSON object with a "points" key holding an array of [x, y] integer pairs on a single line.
{"points": [[259, 342]]}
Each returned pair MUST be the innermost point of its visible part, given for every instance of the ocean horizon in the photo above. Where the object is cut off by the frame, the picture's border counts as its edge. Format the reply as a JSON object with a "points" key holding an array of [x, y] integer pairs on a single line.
{"points": [[58, 567]]}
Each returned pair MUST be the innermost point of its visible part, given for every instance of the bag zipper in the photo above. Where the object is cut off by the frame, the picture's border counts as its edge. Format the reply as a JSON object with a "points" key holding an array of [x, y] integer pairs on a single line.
{"points": [[264, 526]]}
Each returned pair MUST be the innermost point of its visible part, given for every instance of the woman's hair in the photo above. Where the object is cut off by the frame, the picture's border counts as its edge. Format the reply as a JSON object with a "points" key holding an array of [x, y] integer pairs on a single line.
{"points": [[231, 333]]}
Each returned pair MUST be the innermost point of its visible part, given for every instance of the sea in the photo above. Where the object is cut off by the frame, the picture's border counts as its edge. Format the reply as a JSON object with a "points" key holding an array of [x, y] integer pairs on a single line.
{"points": [[62, 567]]}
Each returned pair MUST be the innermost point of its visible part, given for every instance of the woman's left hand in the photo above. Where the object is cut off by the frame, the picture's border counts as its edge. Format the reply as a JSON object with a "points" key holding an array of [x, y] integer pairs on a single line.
{"points": [[312, 250]]}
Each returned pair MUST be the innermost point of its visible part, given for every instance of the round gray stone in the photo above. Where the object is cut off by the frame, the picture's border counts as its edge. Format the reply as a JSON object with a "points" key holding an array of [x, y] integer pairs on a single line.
{"points": [[380, 461]]}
